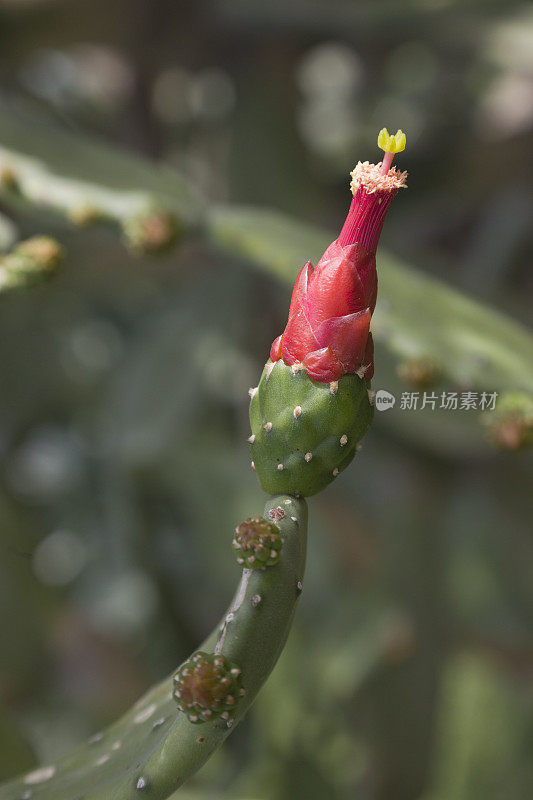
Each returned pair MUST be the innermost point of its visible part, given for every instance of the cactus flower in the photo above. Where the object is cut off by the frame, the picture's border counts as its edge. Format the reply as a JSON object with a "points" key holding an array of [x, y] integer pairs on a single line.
{"points": [[328, 330]]}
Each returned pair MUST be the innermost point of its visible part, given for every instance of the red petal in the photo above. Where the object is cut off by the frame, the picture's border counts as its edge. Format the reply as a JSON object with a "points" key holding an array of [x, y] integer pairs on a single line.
{"points": [[299, 293], [298, 339], [335, 287], [368, 358], [275, 350], [365, 265], [347, 337], [321, 365]]}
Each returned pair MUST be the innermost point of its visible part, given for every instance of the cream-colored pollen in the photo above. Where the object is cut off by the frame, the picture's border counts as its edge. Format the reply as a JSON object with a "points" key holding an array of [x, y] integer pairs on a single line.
{"points": [[372, 180]]}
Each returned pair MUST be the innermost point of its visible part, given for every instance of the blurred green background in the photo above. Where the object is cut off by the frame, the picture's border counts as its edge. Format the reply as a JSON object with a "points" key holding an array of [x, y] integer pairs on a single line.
{"points": [[123, 397]]}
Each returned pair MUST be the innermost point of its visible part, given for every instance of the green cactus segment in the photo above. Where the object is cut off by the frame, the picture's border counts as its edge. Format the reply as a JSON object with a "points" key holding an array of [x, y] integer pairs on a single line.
{"points": [[153, 230], [155, 748], [29, 262], [257, 543], [510, 425], [208, 686], [305, 433]]}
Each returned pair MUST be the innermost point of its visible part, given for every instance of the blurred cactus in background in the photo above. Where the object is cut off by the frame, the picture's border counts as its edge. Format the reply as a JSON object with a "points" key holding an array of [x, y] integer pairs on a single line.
{"points": [[123, 388]]}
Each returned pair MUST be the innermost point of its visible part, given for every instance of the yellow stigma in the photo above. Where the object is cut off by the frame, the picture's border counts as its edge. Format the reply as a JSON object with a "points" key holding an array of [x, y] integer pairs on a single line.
{"points": [[391, 144]]}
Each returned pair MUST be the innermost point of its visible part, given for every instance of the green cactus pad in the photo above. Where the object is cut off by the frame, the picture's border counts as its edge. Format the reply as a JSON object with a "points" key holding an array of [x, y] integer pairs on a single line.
{"points": [[208, 686], [257, 543], [305, 433], [154, 748]]}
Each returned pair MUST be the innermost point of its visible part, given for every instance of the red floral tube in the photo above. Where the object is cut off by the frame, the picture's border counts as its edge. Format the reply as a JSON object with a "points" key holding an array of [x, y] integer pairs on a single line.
{"points": [[328, 330]]}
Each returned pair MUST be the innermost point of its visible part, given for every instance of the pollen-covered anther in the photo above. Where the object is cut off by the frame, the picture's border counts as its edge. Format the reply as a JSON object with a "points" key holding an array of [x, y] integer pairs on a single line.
{"points": [[297, 411], [257, 543], [207, 687]]}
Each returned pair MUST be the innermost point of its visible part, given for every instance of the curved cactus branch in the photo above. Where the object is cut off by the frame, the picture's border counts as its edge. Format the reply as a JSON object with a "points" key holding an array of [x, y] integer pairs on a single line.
{"points": [[45, 167], [154, 748]]}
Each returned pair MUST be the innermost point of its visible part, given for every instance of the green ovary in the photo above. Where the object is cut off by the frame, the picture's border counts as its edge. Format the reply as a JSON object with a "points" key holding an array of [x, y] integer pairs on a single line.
{"points": [[305, 433]]}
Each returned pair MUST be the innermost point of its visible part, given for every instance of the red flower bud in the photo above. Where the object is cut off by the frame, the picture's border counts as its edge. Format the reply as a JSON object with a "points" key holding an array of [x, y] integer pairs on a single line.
{"points": [[332, 304]]}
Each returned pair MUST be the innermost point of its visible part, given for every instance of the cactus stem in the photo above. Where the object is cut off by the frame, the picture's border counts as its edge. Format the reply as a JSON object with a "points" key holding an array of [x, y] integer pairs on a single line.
{"points": [[145, 714], [308, 457], [269, 366], [40, 775], [159, 756], [343, 440], [297, 411]]}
